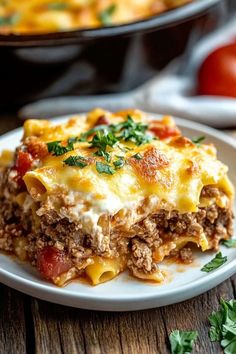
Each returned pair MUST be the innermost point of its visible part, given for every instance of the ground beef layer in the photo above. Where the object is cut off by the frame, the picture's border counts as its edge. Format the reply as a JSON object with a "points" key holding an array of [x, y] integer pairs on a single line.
{"points": [[139, 243]]}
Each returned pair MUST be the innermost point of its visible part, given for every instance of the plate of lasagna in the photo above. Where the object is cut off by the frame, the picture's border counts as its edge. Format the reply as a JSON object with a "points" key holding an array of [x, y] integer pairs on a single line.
{"points": [[116, 211]]}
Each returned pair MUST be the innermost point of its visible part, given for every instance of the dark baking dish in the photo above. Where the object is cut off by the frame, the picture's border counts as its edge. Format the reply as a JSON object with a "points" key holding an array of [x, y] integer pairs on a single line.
{"points": [[103, 60]]}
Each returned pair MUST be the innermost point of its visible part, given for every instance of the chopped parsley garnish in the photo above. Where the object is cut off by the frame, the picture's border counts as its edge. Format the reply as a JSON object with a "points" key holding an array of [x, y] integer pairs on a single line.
{"points": [[119, 163], [9, 20], [84, 136], [229, 243], [57, 149], [198, 139], [57, 6], [124, 148], [106, 15], [215, 263], [77, 161], [104, 168], [137, 156], [101, 140], [182, 341], [104, 137], [130, 130], [223, 326]]}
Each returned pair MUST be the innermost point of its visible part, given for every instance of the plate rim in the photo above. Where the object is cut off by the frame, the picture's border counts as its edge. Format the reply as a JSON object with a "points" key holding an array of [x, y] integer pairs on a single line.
{"points": [[216, 277]]}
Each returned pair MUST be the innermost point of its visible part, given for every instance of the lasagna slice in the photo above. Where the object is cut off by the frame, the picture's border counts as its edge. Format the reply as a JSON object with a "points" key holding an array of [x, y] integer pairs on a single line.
{"points": [[105, 192]]}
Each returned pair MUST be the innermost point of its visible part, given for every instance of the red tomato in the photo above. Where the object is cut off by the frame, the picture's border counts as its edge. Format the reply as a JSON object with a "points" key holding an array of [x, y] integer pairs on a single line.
{"points": [[52, 262], [102, 121], [217, 75], [37, 148], [164, 132], [23, 164]]}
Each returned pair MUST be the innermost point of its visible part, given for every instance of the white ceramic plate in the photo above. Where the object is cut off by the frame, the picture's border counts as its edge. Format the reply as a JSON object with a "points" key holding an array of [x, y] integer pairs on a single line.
{"points": [[125, 293]]}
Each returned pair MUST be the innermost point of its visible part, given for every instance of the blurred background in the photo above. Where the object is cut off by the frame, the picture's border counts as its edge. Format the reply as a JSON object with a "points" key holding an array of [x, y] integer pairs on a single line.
{"points": [[153, 64]]}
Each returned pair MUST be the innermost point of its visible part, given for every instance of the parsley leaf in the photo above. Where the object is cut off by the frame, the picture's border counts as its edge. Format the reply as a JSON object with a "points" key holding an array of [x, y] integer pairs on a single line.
{"points": [[198, 140], [9, 20], [101, 140], [57, 149], [105, 136], [229, 243], [215, 263], [104, 168], [78, 161], [84, 136], [223, 326], [119, 163], [124, 148], [72, 140], [132, 131], [57, 6], [106, 15], [137, 156], [182, 341]]}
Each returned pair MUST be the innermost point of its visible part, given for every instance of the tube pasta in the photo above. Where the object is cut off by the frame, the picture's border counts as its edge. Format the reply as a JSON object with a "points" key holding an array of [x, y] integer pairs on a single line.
{"points": [[34, 127], [37, 184], [6, 158], [157, 277], [66, 277], [164, 250], [103, 269]]}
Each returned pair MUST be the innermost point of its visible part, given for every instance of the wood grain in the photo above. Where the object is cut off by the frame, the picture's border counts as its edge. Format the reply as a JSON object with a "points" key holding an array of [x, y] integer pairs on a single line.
{"points": [[12, 322], [30, 326]]}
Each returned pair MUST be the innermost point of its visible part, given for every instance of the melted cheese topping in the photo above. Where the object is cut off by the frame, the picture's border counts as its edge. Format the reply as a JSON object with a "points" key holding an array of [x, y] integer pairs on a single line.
{"points": [[40, 16], [172, 172]]}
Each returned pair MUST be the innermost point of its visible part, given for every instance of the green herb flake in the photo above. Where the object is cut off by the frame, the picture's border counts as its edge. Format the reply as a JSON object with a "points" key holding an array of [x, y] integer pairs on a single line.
{"points": [[105, 136], [137, 156], [182, 341], [57, 149], [124, 148], [104, 154], [84, 136], [77, 161], [198, 139], [72, 140], [130, 130], [104, 168], [57, 6], [106, 15], [119, 163], [223, 326], [101, 140], [9, 20], [215, 263], [229, 243]]}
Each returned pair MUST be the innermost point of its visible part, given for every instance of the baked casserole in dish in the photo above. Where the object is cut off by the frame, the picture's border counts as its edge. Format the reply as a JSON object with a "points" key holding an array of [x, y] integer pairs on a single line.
{"points": [[44, 16]]}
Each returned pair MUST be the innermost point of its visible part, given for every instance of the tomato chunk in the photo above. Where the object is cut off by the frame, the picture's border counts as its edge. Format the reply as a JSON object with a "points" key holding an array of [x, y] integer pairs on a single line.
{"points": [[37, 148], [52, 262], [23, 163], [164, 131], [102, 121]]}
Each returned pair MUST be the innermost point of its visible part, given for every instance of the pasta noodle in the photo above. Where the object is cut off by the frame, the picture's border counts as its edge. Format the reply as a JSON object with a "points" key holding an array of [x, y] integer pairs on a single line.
{"points": [[103, 269]]}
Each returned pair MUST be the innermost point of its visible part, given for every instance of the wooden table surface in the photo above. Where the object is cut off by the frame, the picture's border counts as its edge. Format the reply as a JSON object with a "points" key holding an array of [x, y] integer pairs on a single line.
{"points": [[28, 325]]}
